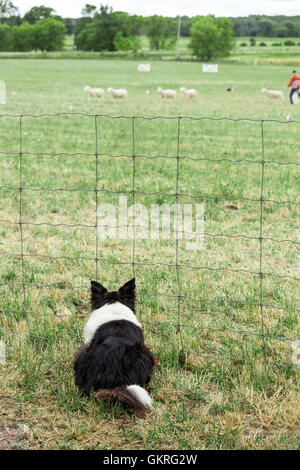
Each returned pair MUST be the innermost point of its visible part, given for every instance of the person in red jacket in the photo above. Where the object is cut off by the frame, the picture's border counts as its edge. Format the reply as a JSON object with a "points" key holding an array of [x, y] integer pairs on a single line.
{"points": [[294, 83]]}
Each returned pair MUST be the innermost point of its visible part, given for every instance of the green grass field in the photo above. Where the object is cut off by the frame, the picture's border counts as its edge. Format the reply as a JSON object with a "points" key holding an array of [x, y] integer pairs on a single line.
{"points": [[215, 399]]}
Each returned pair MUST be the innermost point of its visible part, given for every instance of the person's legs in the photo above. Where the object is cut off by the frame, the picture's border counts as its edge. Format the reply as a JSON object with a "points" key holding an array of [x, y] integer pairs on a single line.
{"points": [[291, 94]]}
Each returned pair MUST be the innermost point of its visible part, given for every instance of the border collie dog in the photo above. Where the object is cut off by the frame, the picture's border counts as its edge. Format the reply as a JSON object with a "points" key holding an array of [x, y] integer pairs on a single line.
{"points": [[115, 363]]}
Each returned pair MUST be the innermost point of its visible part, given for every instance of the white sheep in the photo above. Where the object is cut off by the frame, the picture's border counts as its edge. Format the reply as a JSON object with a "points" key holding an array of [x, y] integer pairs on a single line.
{"points": [[167, 93], [191, 93], [273, 94], [121, 93], [94, 92]]}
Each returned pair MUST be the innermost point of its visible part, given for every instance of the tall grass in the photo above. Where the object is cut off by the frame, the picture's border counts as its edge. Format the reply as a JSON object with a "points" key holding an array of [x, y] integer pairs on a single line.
{"points": [[211, 398]]}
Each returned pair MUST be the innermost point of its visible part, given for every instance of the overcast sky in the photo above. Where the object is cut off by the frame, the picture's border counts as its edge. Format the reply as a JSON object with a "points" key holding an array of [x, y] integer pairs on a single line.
{"points": [[72, 8]]}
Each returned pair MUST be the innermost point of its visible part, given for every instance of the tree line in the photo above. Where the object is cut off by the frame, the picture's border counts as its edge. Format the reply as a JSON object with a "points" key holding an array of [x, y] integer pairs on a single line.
{"points": [[102, 29], [105, 29], [267, 26], [164, 27], [39, 29]]}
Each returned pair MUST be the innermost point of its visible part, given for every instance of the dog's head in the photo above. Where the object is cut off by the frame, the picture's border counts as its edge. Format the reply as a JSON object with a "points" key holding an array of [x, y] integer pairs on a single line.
{"points": [[100, 295]]}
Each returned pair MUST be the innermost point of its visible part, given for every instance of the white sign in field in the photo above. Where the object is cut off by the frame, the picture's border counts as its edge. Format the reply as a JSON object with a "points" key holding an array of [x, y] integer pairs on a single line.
{"points": [[2, 93], [209, 67], [144, 67]]}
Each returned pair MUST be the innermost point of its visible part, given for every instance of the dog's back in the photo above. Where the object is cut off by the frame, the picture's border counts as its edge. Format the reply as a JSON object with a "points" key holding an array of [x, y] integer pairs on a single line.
{"points": [[115, 363], [116, 356]]}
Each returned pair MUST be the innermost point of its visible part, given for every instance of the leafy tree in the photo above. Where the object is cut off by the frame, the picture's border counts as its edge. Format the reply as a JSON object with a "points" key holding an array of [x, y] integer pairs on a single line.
{"points": [[108, 24], [14, 20], [40, 12], [186, 24], [211, 37], [137, 44], [237, 29], [254, 25], [266, 28], [5, 37], [122, 43], [9, 13], [81, 24], [99, 33], [88, 10], [162, 32], [85, 39], [137, 24], [291, 28], [46, 34], [22, 37], [70, 24], [49, 34], [36, 13], [7, 9], [282, 32]]}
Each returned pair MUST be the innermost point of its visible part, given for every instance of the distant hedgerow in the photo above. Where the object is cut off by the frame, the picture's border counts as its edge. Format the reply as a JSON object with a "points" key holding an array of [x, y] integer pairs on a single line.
{"points": [[289, 43]]}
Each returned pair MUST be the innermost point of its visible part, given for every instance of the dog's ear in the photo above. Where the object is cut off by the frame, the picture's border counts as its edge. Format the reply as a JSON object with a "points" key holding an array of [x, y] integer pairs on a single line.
{"points": [[97, 292], [128, 290]]}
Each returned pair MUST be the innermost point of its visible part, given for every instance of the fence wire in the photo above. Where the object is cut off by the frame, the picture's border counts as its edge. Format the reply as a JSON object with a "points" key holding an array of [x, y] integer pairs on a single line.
{"points": [[180, 298]]}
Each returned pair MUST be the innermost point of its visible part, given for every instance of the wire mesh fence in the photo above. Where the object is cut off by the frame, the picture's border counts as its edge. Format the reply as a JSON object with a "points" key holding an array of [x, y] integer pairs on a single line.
{"points": [[192, 316]]}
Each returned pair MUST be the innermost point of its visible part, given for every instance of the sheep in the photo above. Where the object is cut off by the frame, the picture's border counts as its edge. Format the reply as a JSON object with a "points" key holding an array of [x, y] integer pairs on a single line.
{"points": [[230, 89], [94, 92], [191, 93], [273, 94], [167, 93], [121, 93]]}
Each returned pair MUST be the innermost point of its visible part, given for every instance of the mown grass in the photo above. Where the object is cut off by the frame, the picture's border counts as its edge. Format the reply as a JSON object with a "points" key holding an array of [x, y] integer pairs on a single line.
{"points": [[215, 398], [69, 42]]}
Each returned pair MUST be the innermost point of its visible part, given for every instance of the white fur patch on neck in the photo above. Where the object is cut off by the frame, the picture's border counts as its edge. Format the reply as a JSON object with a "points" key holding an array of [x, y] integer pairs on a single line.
{"points": [[105, 314]]}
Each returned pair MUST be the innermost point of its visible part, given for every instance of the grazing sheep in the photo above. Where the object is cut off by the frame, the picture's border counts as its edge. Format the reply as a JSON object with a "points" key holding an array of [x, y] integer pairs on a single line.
{"points": [[273, 94], [191, 93], [230, 89], [94, 92], [121, 93], [165, 94]]}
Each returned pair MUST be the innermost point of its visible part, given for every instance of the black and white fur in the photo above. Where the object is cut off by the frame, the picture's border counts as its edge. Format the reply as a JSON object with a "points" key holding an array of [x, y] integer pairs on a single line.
{"points": [[115, 363]]}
